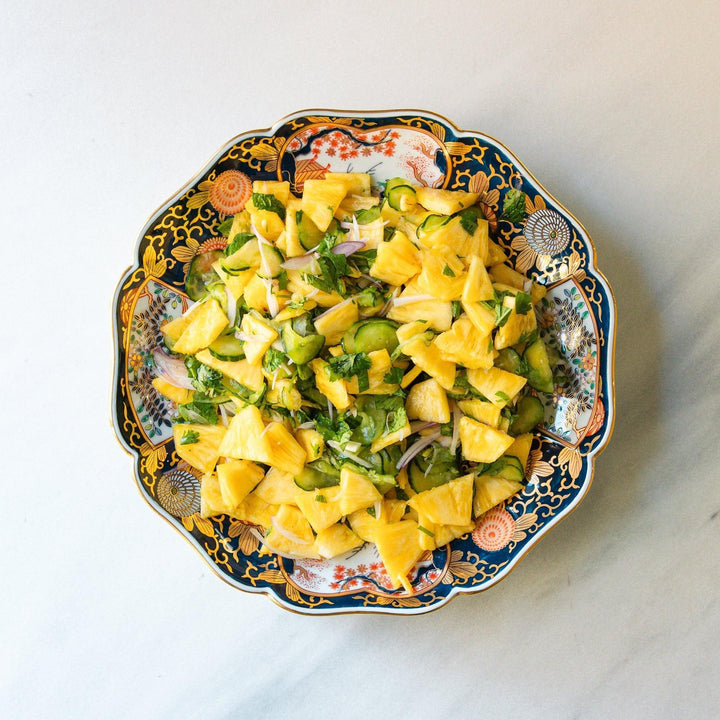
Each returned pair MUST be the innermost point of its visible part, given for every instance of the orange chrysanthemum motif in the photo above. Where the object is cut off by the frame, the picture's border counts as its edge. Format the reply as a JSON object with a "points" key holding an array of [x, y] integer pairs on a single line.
{"points": [[214, 243], [230, 191], [494, 530]]}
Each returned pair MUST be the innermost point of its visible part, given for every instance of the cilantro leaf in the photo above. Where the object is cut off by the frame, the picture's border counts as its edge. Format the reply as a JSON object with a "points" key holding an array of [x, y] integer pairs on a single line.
{"points": [[205, 379], [500, 395], [343, 367], [514, 206], [396, 416], [333, 429], [457, 309], [469, 220], [224, 227], [263, 201], [190, 437], [448, 271], [523, 303], [198, 412], [394, 376], [273, 359], [237, 242]]}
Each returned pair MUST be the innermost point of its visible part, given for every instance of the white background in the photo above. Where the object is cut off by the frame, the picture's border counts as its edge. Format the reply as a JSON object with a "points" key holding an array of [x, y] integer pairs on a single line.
{"points": [[107, 108]]}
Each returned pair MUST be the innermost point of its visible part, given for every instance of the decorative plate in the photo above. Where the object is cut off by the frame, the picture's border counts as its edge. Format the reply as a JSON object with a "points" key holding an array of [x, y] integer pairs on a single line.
{"points": [[577, 317]]}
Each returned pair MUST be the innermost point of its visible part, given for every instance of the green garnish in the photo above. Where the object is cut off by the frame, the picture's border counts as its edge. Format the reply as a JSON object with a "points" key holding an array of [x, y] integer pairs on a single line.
{"points": [[394, 376], [426, 531], [320, 499], [448, 271], [523, 303], [500, 395], [514, 206], [268, 202], [345, 366], [190, 437]]}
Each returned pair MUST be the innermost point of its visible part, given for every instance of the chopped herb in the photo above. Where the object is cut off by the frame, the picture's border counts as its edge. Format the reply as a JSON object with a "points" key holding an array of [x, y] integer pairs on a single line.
{"points": [[363, 259], [224, 227], [367, 215], [337, 429], [514, 206], [205, 379], [297, 303], [400, 494], [343, 367], [273, 359], [237, 242], [283, 280], [448, 271], [426, 531], [198, 412], [263, 201], [190, 437], [523, 303], [529, 337], [394, 376], [457, 309], [371, 296], [320, 498], [502, 314], [394, 405], [500, 395], [469, 220], [370, 511]]}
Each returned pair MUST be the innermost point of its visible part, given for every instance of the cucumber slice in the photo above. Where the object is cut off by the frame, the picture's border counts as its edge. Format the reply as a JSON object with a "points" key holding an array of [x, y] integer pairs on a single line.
{"points": [[271, 266], [508, 359], [227, 347], [530, 412], [308, 232], [399, 194], [301, 349], [311, 479], [432, 223], [508, 467], [370, 335], [247, 257], [201, 274], [433, 467], [539, 375]]}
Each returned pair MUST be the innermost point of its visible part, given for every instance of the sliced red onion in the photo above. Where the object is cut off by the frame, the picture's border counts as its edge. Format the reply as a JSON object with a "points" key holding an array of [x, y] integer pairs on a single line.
{"points": [[371, 279], [171, 369], [295, 263], [378, 507], [456, 426], [420, 425], [244, 337], [335, 307], [348, 247], [231, 306], [409, 299], [416, 448], [309, 425], [349, 455], [287, 534]]}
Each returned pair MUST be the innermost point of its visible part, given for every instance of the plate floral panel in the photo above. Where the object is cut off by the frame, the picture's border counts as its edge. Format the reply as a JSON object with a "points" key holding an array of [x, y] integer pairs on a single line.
{"points": [[576, 319]]}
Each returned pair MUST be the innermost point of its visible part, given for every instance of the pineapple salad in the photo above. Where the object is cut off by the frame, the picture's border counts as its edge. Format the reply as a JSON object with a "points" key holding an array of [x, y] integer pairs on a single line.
{"points": [[360, 364]]}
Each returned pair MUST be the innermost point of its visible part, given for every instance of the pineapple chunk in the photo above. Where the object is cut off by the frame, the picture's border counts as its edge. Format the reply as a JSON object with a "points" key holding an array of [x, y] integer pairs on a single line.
{"points": [[444, 202], [211, 499], [442, 275], [478, 286], [255, 510], [291, 523], [381, 364], [290, 244], [334, 322], [491, 491], [447, 533], [299, 288], [391, 438], [334, 390], [437, 313], [237, 479], [502, 273], [355, 183], [410, 375], [277, 488], [311, 441], [336, 540], [521, 449], [259, 336], [207, 322], [236, 284], [482, 443], [283, 392], [466, 345], [320, 507], [484, 412], [495, 254], [516, 326], [428, 401], [426, 356], [283, 451], [499, 386], [279, 188], [481, 317], [452, 237], [241, 371], [356, 491], [268, 223], [173, 329], [372, 234], [255, 294], [204, 453], [178, 395], [364, 524], [448, 504], [321, 199], [397, 260], [245, 439], [399, 550]]}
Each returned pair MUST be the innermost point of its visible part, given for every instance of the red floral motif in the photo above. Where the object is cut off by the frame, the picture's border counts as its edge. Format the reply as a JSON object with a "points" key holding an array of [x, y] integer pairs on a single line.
{"points": [[494, 530]]}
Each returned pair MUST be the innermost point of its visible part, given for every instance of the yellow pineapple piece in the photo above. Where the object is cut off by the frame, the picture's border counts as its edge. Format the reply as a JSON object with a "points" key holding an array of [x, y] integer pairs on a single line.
{"points": [[336, 350], [502, 273], [291, 523], [397, 260], [364, 524], [389, 215], [426, 355], [478, 286], [311, 441], [516, 326], [334, 322], [399, 550], [173, 329], [448, 504], [277, 488], [235, 283], [289, 313], [336, 540], [241, 371], [381, 364], [410, 375], [206, 324], [499, 386], [321, 199], [372, 234], [321, 507], [445, 534], [521, 449], [352, 203], [240, 224], [237, 479], [355, 183], [442, 275], [466, 345], [484, 412], [495, 254], [428, 401], [356, 491], [255, 510], [334, 390], [282, 392], [283, 450], [444, 202], [482, 443], [481, 317], [268, 223], [204, 453], [491, 490], [291, 245], [391, 438], [299, 288], [245, 438], [259, 336], [211, 499], [279, 188], [437, 313], [255, 294], [537, 293], [178, 395]]}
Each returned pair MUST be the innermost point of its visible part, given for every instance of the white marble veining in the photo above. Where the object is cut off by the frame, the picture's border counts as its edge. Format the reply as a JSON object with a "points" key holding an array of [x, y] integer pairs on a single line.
{"points": [[108, 108]]}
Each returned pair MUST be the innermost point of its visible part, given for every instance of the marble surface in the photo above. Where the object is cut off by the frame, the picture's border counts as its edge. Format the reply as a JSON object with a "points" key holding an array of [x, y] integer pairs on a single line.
{"points": [[108, 108]]}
